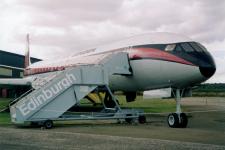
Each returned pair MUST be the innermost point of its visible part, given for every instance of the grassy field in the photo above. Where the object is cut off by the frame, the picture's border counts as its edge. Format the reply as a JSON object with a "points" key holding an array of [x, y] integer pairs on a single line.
{"points": [[149, 105], [4, 117], [4, 102]]}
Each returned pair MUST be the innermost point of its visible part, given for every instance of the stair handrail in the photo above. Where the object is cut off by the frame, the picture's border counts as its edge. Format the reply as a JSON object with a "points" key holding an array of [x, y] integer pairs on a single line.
{"points": [[33, 89], [21, 96]]}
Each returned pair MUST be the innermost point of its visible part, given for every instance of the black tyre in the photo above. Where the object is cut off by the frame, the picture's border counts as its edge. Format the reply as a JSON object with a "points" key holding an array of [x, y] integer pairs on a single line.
{"points": [[34, 124], [184, 120], [173, 120], [129, 120], [131, 96], [48, 124], [109, 103], [142, 119]]}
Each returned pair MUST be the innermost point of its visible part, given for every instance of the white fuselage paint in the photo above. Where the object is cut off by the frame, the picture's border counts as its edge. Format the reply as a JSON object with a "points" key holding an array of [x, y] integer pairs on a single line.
{"points": [[154, 74]]}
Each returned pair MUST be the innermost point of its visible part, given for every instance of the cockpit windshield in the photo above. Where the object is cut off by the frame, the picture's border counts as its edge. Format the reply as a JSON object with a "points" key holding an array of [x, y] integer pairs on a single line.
{"points": [[198, 47], [186, 47], [170, 47]]}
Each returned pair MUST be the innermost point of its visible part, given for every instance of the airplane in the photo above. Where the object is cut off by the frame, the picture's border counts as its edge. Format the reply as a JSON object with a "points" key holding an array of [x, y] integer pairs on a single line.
{"points": [[157, 60]]}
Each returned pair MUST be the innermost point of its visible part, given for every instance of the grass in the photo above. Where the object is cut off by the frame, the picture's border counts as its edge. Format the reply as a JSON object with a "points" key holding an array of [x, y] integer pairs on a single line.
{"points": [[149, 105], [5, 119], [4, 102], [4, 116]]}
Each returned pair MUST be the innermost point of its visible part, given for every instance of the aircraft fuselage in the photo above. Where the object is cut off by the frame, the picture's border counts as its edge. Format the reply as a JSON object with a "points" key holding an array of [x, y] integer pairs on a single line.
{"points": [[157, 61]]}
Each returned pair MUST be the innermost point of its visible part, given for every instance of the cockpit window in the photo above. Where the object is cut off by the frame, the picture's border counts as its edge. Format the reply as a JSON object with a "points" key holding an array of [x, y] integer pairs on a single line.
{"points": [[196, 47], [187, 47], [170, 47], [178, 48], [202, 47], [184, 47]]}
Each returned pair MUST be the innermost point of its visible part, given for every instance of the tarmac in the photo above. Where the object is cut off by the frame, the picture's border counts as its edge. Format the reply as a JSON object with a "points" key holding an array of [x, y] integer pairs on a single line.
{"points": [[30, 139]]}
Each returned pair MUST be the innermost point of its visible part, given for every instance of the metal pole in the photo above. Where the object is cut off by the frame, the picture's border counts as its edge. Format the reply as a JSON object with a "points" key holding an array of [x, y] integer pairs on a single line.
{"points": [[113, 98], [178, 101]]}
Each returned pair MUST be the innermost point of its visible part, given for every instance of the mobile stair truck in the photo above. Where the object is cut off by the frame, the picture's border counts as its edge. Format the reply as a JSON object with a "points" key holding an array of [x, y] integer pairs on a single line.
{"points": [[52, 96]]}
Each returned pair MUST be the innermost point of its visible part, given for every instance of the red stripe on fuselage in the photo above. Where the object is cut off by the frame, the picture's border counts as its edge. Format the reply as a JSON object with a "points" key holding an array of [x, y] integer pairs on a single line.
{"points": [[152, 53], [32, 71]]}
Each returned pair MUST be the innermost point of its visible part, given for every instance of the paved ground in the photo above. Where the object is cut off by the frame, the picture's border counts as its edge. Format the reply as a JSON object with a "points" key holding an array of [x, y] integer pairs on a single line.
{"points": [[36, 139], [206, 130]]}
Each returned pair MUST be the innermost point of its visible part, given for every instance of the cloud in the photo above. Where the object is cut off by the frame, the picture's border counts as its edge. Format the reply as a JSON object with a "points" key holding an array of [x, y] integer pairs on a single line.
{"points": [[217, 49], [69, 12]]}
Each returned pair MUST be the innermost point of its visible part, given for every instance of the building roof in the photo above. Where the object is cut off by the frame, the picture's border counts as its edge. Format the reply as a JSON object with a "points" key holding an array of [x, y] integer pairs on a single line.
{"points": [[14, 60]]}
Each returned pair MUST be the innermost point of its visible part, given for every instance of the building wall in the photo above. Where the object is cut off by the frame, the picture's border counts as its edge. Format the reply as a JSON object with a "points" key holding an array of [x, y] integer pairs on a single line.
{"points": [[11, 66]]}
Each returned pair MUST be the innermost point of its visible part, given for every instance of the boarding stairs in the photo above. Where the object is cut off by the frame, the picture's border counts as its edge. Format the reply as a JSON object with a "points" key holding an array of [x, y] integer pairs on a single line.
{"points": [[53, 95]]}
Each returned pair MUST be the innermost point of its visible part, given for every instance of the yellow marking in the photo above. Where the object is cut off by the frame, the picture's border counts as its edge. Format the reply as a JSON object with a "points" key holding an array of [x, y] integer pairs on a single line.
{"points": [[96, 98]]}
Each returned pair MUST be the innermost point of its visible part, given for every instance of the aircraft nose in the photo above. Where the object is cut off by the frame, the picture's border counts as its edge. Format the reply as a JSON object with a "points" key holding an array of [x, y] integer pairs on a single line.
{"points": [[208, 68], [207, 71]]}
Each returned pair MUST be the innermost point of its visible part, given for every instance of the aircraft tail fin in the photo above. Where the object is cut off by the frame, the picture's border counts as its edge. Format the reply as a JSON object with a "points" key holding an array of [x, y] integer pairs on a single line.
{"points": [[27, 61]]}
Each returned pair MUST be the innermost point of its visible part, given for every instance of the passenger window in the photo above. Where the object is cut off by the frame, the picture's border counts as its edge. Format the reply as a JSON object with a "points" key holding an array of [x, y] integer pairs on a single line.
{"points": [[187, 47], [170, 47]]}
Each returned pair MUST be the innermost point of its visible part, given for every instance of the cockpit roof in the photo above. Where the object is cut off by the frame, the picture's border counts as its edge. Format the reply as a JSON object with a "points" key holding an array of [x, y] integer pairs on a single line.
{"points": [[151, 38], [143, 39]]}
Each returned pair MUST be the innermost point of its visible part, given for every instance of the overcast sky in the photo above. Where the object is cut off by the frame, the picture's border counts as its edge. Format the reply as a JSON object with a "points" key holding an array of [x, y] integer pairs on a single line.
{"points": [[60, 27]]}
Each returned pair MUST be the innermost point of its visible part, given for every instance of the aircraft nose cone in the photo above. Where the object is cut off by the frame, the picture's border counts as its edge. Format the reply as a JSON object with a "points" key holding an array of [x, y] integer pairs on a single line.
{"points": [[209, 68], [207, 71]]}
